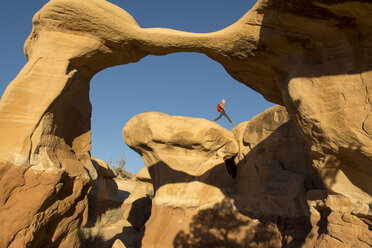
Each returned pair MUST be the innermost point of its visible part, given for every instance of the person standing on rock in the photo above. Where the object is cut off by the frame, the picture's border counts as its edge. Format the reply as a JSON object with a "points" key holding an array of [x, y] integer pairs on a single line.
{"points": [[221, 109]]}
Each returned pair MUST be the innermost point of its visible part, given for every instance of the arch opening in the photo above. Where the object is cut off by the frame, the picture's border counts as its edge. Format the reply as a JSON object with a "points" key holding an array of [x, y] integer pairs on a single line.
{"points": [[180, 84]]}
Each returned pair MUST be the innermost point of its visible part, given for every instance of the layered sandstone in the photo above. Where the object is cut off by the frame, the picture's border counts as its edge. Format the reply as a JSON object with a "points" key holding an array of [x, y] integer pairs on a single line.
{"points": [[278, 181], [177, 153], [313, 57], [275, 169], [196, 193], [137, 207], [41, 209], [104, 192], [185, 158], [276, 193], [106, 223]]}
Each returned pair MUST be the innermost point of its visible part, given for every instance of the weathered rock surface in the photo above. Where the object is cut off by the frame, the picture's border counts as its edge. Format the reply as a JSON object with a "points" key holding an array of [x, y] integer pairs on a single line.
{"points": [[277, 193], [276, 177], [313, 57], [108, 225], [118, 244], [104, 193], [180, 148], [41, 209], [274, 167], [334, 224], [185, 158], [137, 207], [143, 175]]}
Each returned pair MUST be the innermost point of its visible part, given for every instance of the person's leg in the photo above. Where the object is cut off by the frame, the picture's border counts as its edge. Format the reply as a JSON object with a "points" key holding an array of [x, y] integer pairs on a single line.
{"points": [[224, 113], [221, 113]]}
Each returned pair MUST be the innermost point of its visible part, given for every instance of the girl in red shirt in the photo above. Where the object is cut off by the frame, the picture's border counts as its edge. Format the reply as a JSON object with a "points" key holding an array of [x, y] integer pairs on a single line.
{"points": [[221, 109]]}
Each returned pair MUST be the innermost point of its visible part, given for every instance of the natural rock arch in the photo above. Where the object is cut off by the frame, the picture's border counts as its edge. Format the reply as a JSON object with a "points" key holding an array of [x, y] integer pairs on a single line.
{"points": [[312, 57]]}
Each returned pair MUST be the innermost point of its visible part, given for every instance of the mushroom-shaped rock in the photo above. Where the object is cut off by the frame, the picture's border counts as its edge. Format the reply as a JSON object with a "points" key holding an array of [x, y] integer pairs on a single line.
{"points": [[184, 156]]}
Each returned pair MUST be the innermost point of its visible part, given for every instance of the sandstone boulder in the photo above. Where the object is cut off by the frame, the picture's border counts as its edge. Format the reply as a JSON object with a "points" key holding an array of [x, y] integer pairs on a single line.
{"points": [[106, 222], [274, 167], [102, 168], [104, 192], [277, 193], [137, 207], [276, 177], [181, 154], [185, 158], [143, 175], [40, 209]]}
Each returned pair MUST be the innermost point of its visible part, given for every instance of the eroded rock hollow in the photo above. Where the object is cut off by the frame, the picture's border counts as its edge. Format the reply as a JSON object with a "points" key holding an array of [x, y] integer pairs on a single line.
{"points": [[312, 57]]}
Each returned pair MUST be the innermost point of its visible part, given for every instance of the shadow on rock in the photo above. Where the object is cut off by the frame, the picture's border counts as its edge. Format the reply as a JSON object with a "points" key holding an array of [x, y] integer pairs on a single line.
{"points": [[140, 212], [221, 226]]}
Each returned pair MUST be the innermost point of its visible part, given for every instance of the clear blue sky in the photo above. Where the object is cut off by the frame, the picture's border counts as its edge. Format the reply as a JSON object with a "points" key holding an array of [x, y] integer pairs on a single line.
{"points": [[187, 84]]}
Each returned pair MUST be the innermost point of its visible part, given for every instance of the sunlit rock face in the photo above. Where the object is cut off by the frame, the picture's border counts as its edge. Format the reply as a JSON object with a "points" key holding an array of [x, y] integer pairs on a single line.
{"points": [[45, 121], [246, 184], [187, 161], [137, 207], [185, 157], [276, 177], [264, 184], [313, 57]]}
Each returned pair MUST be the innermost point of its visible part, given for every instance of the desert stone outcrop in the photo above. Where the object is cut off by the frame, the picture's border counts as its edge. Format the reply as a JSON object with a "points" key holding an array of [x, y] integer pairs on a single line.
{"points": [[106, 223], [41, 209], [45, 117], [177, 153], [185, 158], [276, 177], [137, 207], [275, 169], [313, 57], [104, 192], [277, 193]]}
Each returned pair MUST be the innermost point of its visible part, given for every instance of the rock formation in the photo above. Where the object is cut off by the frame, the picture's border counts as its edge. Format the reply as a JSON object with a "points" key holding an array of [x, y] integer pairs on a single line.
{"points": [[273, 173], [185, 158], [181, 147], [275, 197], [106, 226], [137, 207], [313, 57], [276, 177], [104, 191], [275, 169], [41, 209]]}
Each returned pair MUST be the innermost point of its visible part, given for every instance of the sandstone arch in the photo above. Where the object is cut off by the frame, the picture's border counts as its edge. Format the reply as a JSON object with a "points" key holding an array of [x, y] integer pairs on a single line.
{"points": [[312, 57]]}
